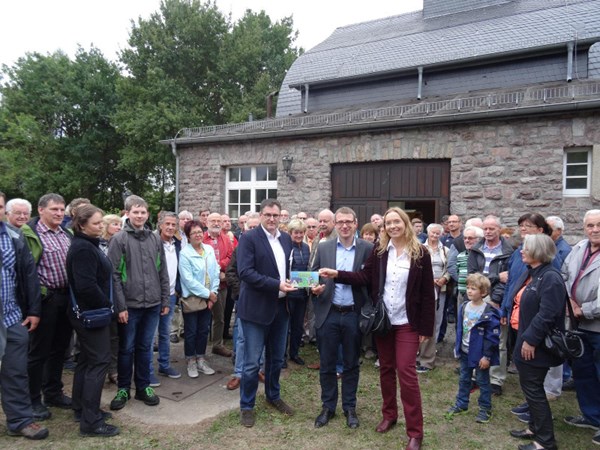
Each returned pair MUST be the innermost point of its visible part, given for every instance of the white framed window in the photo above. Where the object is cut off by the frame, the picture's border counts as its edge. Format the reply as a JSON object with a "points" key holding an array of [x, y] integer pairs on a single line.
{"points": [[577, 171], [247, 186]]}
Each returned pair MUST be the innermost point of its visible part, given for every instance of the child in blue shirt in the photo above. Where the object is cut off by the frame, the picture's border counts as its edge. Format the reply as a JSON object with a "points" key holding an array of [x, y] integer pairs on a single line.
{"points": [[477, 341]]}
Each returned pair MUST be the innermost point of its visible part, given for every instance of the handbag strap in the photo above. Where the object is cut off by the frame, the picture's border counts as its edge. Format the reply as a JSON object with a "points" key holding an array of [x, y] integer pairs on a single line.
{"points": [[571, 315], [110, 292], [381, 280]]}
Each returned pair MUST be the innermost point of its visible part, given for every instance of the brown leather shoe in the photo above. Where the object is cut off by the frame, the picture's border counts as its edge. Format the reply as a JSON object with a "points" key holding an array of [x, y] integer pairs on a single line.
{"points": [[32, 431], [247, 418], [222, 351], [315, 366], [414, 444], [281, 406], [385, 425], [233, 384], [261, 377]]}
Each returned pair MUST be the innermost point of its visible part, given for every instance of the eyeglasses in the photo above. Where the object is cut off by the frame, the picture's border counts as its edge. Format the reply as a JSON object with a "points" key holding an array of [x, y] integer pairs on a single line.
{"points": [[469, 238], [344, 223], [196, 233], [17, 213], [528, 226], [271, 216]]}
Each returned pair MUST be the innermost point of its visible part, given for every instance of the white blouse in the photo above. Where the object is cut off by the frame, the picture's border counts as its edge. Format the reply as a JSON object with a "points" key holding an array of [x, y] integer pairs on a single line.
{"points": [[396, 281]]}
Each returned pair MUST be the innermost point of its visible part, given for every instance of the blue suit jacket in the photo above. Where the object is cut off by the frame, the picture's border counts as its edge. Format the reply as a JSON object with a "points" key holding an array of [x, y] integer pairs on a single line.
{"points": [[259, 277]]}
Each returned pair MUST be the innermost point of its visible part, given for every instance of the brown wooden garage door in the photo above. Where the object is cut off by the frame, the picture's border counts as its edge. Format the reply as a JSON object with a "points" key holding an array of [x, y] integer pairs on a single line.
{"points": [[422, 188]]}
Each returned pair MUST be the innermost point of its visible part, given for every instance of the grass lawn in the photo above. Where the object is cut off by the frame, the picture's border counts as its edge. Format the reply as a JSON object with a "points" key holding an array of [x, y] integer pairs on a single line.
{"points": [[300, 388]]}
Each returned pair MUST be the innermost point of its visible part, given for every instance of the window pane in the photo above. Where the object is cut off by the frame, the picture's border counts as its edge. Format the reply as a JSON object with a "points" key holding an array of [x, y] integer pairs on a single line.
{"points": [[246, 174], [234, 174], [261, 194], [245, 196], [272, 193], [577, 170], [233, 211], [577, 157], [272, 173], [261, 173], [576, 183], [234, 196]]}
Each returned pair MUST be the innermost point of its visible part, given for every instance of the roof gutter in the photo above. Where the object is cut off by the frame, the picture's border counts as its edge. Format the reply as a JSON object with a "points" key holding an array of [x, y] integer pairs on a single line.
{"points": [[397, 123]]}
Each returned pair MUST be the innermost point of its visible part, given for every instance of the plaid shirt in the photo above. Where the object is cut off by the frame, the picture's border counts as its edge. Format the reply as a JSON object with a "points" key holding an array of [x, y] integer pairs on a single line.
{"points": [[10, 309], [52, 267]]}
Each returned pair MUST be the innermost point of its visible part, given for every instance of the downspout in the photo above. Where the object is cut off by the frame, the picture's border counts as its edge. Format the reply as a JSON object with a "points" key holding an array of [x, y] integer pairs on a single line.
{"points": [[174, 150], [570, 47], [420, 85], [306, 88]]}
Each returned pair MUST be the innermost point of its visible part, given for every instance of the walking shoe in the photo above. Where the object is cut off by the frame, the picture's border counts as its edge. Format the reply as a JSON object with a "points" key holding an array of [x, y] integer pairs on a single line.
{"points": [[221, 351], [154, 382], [581, 422], [192, 368], [169, 372], [77, 415], [62, 401], [233, 384], [120, 399], [376, 364], [496, 389], [454, 410], [104, 430], [174, 339], [596, 439], [247, 418], [522, 408], [148, 396], [524, 417], [483, 416], [281, 406], [204, 367], [40, 412], [569, 385], [32, 431], [423, 369]]}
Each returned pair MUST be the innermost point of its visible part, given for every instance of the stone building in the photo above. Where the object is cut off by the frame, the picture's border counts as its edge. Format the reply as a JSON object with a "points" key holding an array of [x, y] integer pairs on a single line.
{"points": [[468, 106]]}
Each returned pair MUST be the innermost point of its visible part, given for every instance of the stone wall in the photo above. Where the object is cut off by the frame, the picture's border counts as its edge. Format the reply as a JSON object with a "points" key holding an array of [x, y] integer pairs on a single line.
{"points": [[499, 167]]}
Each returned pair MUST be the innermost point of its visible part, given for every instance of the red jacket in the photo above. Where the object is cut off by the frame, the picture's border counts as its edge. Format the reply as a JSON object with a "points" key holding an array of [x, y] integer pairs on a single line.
{"points": [[225, 250]]}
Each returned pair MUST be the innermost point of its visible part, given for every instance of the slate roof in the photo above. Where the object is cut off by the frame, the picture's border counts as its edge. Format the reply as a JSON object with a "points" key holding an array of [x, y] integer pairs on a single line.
{"points": [[402, 43]]}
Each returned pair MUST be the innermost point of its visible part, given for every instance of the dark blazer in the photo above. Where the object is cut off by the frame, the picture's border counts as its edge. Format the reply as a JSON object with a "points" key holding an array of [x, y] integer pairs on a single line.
{"points": [[257, 268], [326, 258], [420, 296]]}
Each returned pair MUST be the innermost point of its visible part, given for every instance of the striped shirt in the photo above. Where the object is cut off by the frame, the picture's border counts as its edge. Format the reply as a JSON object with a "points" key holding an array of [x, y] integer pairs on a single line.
{"points": [[490, 253], [52, 267], [10, 309]]}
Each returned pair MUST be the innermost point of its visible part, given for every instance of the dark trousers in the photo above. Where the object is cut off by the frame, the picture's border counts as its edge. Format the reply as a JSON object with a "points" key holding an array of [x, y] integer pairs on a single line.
{"points": [[197, 328], [339, 328], [532, 384], [229, 304], [48, 344], [16, 401], [297, 307], [92, 365]]}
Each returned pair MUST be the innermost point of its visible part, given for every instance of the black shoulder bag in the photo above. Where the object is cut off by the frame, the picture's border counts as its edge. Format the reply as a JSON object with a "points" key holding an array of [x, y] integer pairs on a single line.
{"points": [[94, 318], [374, 318], [566, 344]]}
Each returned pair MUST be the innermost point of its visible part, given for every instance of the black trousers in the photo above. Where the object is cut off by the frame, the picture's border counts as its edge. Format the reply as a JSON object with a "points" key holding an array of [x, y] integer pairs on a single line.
{"points": [[47, 347], [540, 423], [92, 366]]}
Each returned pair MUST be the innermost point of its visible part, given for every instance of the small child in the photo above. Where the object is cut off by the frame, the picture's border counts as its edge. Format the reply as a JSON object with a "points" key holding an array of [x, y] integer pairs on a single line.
{"points": [[477, 341]]}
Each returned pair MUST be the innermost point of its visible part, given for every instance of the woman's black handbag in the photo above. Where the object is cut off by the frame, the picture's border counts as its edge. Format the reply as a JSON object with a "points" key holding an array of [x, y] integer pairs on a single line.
{"points": [[374, 318], [94, 318], [566, 344]]}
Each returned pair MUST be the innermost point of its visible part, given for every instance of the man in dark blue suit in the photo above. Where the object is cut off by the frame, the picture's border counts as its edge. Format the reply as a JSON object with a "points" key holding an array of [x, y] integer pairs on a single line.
{"points": [[263, 267], [337, 309]]}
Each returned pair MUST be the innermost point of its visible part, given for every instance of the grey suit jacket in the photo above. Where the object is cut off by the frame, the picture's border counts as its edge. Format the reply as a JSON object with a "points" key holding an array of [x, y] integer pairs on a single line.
{"points": [[325, 257]]}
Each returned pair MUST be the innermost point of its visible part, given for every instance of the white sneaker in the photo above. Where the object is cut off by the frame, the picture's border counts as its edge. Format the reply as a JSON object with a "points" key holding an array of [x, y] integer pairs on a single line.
{"points": [[204, 367], [192, 368]]}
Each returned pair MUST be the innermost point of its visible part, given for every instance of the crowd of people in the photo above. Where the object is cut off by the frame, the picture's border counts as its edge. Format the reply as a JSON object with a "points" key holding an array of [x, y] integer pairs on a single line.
{"points": [[503, 289]]}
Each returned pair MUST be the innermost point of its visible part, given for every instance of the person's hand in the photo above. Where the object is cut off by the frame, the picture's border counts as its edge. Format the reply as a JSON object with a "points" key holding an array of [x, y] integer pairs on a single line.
{"points": [[31, 322], [286, 286], [423, 339], [328, 273], [527, 351], [213, 297], [318, 290], [503, 276], [440, 281], [577, 312], [164, 311], [123, 317], [484, 363]]}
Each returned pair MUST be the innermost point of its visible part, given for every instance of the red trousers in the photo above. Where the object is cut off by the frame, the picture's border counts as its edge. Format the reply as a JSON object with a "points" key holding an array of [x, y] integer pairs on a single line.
{"points": [[398, 355]]}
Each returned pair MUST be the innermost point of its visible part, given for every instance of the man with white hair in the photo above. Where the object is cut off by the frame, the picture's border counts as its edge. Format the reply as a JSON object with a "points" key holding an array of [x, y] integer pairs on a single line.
{"points": [[563, 249], [18, 212], [184, 217]]}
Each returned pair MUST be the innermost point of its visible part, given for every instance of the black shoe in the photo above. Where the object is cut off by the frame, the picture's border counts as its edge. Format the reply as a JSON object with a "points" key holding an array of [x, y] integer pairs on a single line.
{"points": [[297, 360], [323, 418], [40, 413], [496, 389], [174, 339], [451, 318], [120, 399], [63, 401], [104, 430], [351, 418], [77, 415], [569, 385], [522, 434], [148, 396]]}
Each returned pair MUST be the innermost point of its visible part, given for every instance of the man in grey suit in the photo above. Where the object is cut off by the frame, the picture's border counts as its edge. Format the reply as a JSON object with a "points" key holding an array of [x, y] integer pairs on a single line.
{"points": [[337, 309]]}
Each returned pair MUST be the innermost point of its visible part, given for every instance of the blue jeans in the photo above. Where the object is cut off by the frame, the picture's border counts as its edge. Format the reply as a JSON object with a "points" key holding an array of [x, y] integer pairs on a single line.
{"points": [[464, 385], [197, 327], [339, 329], [164, 343], [586, 373], [273, 337], [238, 338], [135, 345]]}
